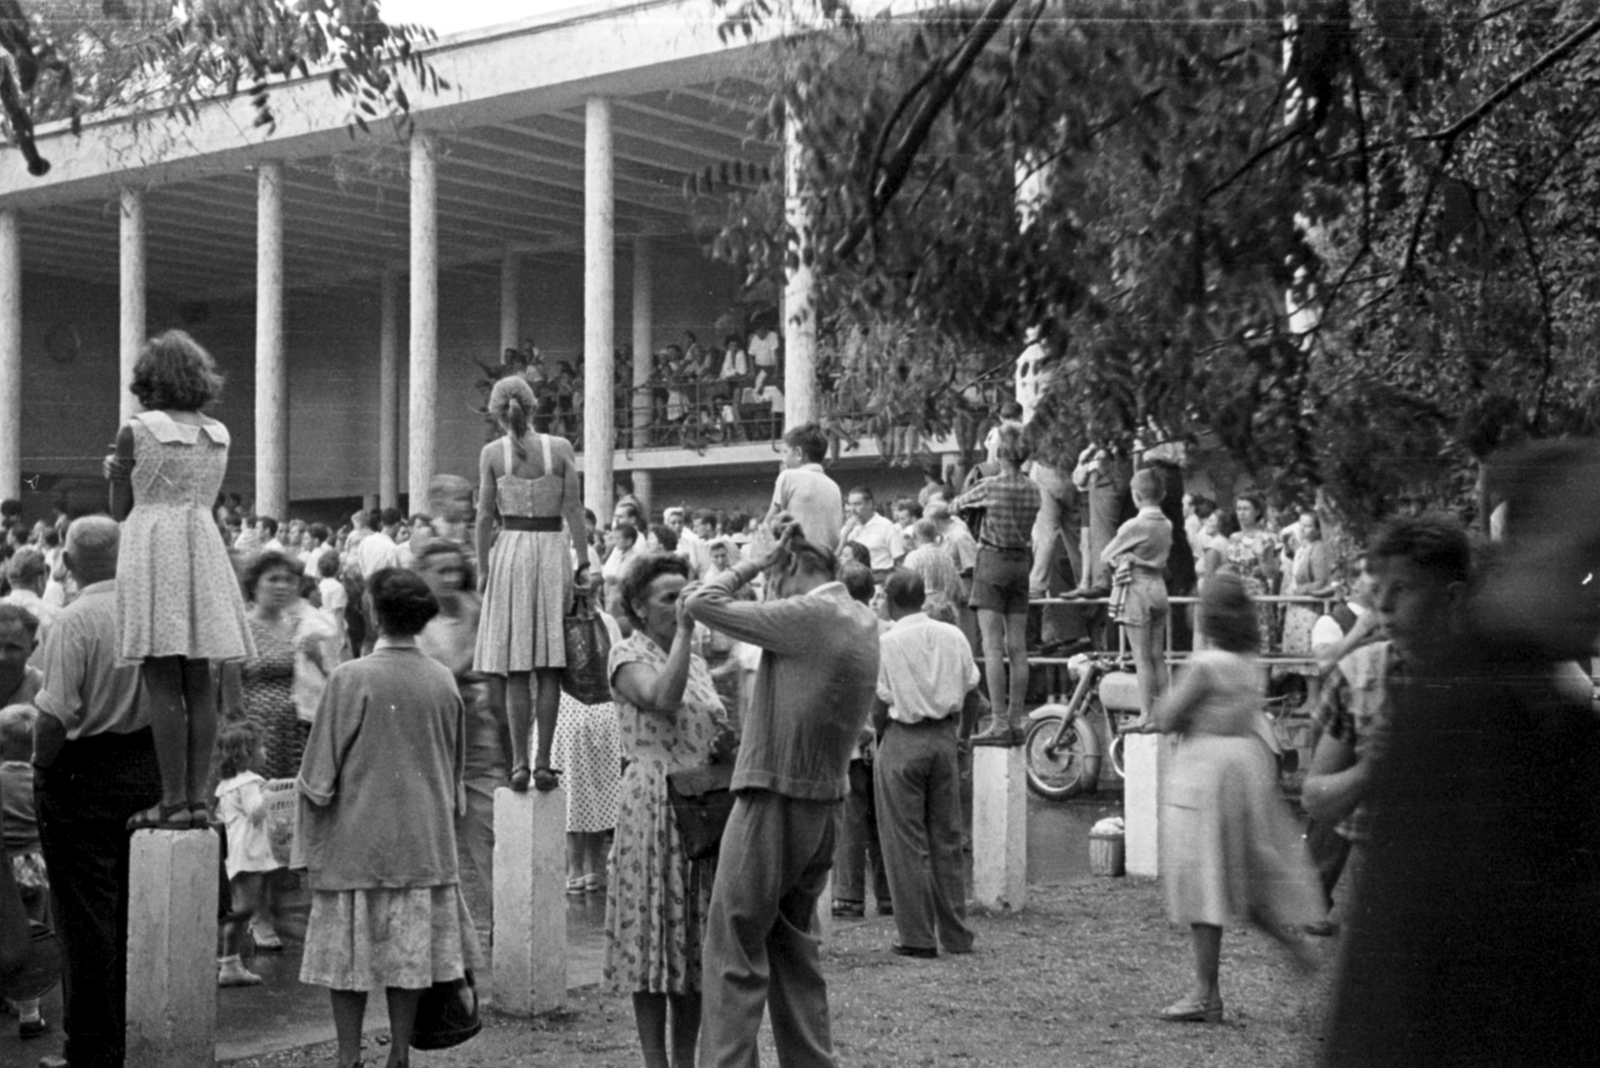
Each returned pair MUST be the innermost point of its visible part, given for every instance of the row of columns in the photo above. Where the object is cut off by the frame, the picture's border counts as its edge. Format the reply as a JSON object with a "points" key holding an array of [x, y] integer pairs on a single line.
{"points": [[271, 365]]}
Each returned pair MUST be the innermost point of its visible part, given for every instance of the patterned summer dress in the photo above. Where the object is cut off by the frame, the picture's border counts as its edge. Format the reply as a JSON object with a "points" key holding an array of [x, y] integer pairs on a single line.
{"points": [[268, 691], [529, 587], [1243, 554], [177, 594], [656, 898], [588, 750]]}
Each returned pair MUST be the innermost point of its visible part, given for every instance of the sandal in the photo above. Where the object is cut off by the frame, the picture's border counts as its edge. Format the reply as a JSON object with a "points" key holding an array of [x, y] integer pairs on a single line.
{"points": [[199, 814], [1192, 1010], [162, 818], [544, 779], [519, 778]]}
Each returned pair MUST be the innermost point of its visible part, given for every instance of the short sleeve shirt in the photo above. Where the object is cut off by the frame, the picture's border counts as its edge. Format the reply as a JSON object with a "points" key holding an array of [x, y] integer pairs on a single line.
{"points": [[1354, 709]]}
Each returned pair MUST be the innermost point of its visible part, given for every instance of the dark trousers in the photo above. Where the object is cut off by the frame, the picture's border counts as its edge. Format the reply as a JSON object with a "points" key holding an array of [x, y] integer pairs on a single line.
{"points": [[1329, 850], [759, 950], [84, 800], [859, 842], [919, 813]]}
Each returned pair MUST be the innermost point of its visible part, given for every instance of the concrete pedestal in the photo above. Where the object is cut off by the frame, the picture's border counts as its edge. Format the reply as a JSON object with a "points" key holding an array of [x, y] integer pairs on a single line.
{"points": [[999, 829], [530, 901], [172, 949], [1144, 762]]}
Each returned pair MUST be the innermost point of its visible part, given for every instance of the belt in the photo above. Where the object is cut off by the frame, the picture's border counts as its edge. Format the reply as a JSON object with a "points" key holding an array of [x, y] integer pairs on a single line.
{"points": [[546, 524], [947, 721], [1003, 549]]}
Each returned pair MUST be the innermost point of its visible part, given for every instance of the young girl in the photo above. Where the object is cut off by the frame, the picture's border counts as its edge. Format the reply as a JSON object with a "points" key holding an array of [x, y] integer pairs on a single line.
{"points": [[1138, 556], [178, 601], [242, 808]]}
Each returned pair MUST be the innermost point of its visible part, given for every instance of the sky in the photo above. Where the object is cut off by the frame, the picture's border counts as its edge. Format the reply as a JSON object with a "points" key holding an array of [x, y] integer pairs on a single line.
{"points": [[453, 16]]}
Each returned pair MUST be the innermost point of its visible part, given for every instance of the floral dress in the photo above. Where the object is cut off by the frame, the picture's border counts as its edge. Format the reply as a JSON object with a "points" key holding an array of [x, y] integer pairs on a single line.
{"points": [[1243, 555], [267, 685], [656, 898]]}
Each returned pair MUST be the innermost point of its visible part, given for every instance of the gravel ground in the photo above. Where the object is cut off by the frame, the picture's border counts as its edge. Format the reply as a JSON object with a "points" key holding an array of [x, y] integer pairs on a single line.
{"points": [[1072, 980]]}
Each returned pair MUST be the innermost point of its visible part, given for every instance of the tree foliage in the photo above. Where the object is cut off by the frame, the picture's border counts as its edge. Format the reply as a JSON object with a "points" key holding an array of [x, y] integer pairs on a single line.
{"points": [[63, 59], [1346, 240]]}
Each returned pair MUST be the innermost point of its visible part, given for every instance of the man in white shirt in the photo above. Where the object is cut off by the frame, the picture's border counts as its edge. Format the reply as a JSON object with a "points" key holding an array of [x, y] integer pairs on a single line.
{"points": [[691, 546], [267, 529], [882, 537], [378, 549], [805, 491], [27, 572], [927, 686]]}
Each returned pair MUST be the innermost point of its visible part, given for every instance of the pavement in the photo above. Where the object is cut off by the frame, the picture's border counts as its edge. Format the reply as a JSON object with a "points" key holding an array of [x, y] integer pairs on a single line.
{"points": [[283, 1013]]}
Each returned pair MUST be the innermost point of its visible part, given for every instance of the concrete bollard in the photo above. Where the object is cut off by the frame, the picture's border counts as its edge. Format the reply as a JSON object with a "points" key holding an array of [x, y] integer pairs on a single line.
{"points": [[530, 900], [172, 949], [999, 828], [1144, 759]]}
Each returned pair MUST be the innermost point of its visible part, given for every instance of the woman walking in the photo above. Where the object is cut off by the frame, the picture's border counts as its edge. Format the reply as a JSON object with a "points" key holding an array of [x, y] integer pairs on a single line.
{"points": [[379, 791], [1230, 847], [528, 483], [656, 903]]}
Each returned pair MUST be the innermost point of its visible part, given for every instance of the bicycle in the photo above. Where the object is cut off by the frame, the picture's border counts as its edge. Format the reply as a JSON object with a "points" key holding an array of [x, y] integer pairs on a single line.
{"points": [[1062, 749]]}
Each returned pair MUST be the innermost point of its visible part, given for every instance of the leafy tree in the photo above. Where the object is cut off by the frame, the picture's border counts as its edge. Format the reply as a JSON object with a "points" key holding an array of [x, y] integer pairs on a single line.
{"points": [[61, 59], [1343, 240]]}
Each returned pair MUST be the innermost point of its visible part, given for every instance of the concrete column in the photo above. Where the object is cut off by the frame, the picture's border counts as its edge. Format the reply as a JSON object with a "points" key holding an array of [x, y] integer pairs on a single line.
{"points": [[10, 354], [424, 314], [172, 950], [799, 293], [999, 828], [272, 370], [132, 276], [389, 393], [1143, 760], [643, 488], [510, 302], [599, 305], [643, 333], [530, 904]]}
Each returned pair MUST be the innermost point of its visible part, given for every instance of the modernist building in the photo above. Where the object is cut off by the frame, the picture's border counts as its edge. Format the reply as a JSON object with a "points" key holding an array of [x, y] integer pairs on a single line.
{"points": [[352, 285]]}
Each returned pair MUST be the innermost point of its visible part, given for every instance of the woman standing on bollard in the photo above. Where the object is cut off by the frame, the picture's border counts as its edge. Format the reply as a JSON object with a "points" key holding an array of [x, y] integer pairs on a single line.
{"points": [[656, 902], [379, 792], [1230, 849], [529, 483]]}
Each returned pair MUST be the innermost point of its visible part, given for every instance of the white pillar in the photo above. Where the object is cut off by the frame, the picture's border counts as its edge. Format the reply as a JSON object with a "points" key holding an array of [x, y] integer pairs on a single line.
{"points": [[643, 333], [530, 904], [424, 314], [510, 308], [999, 828], [1143, 756], [134, 324], [599, 305], [643, 488], [172, 949], [272, 371], [799, 292], [10, 354], [389, 393]]}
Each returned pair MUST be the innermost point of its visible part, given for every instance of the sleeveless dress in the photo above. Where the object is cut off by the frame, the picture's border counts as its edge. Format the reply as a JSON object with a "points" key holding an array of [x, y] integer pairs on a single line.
{"points": [[267, 687], [657, 898], [177, 594], [530, 582]]}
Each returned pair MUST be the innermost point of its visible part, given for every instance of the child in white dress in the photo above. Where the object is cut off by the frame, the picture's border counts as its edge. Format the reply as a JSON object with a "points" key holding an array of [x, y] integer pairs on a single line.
{"points": [[242, 809]]}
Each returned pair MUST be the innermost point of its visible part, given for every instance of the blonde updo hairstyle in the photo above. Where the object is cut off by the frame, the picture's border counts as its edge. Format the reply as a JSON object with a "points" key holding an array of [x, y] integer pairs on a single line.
{"points": [[511, 403]]}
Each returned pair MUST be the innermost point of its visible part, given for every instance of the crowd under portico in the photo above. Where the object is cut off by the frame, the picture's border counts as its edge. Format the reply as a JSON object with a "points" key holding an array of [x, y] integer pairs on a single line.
{"points": [[554, 164]]}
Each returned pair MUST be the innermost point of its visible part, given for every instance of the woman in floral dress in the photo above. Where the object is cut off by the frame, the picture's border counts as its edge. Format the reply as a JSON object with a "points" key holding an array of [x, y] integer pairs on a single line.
{"points": [[657, 899], [1253, 554]]}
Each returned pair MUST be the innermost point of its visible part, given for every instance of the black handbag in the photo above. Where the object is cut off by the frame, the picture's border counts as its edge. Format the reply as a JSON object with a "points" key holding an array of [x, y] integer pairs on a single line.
{"points": [[447, 1014], [586, 677], [701, 800]]}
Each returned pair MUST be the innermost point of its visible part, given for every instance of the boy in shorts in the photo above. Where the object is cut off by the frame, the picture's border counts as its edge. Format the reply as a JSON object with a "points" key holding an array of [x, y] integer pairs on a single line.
{"points": [[1137, 557]]}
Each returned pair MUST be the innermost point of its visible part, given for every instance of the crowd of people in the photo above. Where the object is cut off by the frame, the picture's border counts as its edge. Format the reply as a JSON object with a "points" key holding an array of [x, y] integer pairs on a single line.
{"points": [[178, 668]]}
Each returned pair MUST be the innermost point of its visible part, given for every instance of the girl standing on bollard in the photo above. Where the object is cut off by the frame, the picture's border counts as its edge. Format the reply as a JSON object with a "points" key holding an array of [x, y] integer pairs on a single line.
{"points": [[379, 795], [529, 483], [1230, 849], [178, 601]]}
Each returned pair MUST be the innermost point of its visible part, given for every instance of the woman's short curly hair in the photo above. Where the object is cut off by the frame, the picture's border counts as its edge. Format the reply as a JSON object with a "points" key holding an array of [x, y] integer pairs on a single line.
{"points": [[401, 600], [271, 560], [174, 373], [1228, 615], [641, 572]]}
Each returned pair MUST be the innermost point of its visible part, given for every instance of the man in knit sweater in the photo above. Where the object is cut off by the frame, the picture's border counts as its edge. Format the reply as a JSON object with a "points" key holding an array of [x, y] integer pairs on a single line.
{"points": [[813, 691]]}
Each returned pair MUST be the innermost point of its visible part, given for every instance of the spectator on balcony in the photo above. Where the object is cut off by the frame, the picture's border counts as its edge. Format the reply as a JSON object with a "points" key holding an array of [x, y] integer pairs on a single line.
{"points": [[735, 369], [764, 348]]}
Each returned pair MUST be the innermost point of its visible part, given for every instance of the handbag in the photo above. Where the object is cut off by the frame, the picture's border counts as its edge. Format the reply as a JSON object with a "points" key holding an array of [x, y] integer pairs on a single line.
{"points": [[701, 799], [587, 676], [447, 1014]]}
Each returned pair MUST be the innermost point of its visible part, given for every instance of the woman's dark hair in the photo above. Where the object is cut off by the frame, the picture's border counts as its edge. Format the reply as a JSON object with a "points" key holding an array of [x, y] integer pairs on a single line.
{"points": [[910, 505], [401, 601], [641, 572], [854, 550], [1255, 502], [268, 561], [665, 537], [1228, 615], [174, 373], [1203, 507], [236, 748]]}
